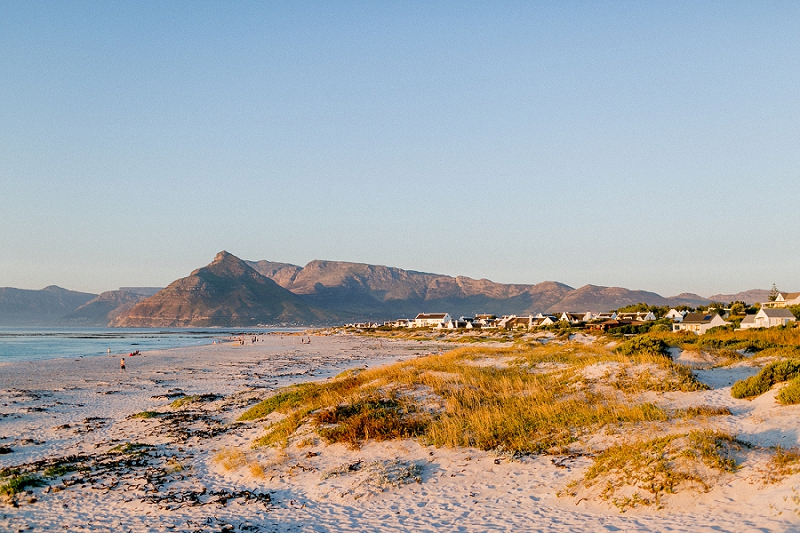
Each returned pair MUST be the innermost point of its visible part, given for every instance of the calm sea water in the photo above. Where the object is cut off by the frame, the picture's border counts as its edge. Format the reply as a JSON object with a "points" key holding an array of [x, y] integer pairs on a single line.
{"points": [[26, 344]]}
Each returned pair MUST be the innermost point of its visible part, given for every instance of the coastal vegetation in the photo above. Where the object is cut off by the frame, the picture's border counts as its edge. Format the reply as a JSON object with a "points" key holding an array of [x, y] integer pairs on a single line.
{"points": [[643, 472], [771, 374], [523, 398], [556, 393]]}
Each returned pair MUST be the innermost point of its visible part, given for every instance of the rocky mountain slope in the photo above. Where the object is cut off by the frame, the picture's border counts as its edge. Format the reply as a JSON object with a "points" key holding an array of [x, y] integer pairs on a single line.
{"points": [[227, 292], [377, 291]]}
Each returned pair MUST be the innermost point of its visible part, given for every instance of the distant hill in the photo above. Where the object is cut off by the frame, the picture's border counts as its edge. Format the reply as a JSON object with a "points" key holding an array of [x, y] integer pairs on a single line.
{"points": [[103, 309], [227, 292], [749, 297], [379, 292], [594, 298], [22, 307]]}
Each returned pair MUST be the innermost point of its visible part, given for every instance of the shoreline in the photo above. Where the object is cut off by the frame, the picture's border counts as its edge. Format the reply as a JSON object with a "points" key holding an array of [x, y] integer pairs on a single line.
{"points": [[34, 344]]}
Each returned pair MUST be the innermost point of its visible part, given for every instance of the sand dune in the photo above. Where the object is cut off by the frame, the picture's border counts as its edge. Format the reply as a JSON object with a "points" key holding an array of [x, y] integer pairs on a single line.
{"points": [[191, 467]]}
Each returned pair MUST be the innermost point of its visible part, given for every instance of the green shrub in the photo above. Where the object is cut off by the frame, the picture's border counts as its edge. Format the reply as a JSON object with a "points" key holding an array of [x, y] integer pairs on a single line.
{"points": [[146, 414], [790, 394], [642, 345], [751, 345], [19, 483], [768, 376]]}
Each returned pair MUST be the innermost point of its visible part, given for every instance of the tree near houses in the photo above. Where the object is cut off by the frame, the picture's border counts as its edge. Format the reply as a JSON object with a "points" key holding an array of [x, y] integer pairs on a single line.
{"points": [[738, 308], [773, 293]]}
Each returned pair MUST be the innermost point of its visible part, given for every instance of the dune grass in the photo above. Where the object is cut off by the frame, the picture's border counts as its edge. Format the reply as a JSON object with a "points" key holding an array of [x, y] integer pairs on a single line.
{"points": [[643, 472], [702, 411], [466, 397], [783, 463], [752, 340], [234, 459], [188, 400]]}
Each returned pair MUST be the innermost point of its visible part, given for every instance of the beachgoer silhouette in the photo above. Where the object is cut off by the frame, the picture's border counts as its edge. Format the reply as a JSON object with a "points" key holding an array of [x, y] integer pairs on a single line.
{"points": [[122, 365]]}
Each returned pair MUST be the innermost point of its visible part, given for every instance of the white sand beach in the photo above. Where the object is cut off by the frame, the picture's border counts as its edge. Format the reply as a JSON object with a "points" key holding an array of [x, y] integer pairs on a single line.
{"points": [[192, 467]]}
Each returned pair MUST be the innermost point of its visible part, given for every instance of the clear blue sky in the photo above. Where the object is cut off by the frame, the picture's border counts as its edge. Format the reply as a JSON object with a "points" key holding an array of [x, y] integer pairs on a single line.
{"points": [[650, 145]]}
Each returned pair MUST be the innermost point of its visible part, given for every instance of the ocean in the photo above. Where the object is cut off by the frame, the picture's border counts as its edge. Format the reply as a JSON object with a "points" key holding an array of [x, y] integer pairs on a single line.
{"points": [[25, 344]]}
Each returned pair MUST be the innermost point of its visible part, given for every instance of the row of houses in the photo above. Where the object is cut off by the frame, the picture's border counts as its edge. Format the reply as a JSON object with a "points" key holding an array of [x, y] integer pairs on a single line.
{"points": [[772, 314], [488, 321]]}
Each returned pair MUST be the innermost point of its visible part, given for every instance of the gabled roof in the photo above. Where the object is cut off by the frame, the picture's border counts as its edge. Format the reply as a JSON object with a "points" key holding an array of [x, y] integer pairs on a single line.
{"points": [[699, 318], [433, 316], [749, 319], [779, 312], [790, 295]]}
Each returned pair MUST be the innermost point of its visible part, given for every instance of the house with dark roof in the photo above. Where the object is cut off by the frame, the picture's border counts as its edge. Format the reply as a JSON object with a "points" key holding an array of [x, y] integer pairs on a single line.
{"points": [[768, 317], [544, 320], [699, 323]]}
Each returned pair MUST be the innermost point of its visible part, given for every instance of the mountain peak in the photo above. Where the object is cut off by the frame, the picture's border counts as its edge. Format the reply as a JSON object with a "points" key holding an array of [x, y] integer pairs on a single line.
{"points": [[227, 264], [222, 256], [226, 292], [54, 288]]}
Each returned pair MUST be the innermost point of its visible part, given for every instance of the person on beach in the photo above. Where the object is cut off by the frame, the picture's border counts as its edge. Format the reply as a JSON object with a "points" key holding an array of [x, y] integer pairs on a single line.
{"points": [[122, 365]]}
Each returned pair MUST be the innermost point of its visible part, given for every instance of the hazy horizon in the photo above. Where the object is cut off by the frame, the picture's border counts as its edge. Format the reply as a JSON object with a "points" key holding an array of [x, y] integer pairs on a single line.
{"points": [[646, 146]]}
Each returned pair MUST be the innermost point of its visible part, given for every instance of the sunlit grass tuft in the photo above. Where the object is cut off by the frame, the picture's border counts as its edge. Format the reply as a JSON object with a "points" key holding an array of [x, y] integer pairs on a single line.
{"points": [[643, 472]]}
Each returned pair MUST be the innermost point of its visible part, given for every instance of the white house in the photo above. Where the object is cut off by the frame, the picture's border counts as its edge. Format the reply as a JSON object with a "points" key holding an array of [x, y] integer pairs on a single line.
{"points": [[431, 320], [699, 323], [749, 321], [638, 316], [675, 315], [573, 318], [545, 320], [788, 298], [606, 316], [517, 322], [784, 299], [767, 318], [484, 321]]}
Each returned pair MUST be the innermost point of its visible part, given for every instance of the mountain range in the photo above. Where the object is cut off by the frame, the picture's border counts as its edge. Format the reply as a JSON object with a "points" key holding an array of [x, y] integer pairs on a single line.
{"points": [[234, 292]]}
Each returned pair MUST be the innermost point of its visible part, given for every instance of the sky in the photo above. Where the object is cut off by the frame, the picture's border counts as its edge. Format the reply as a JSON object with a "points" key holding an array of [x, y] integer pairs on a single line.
{"points": [[648, 145]]}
